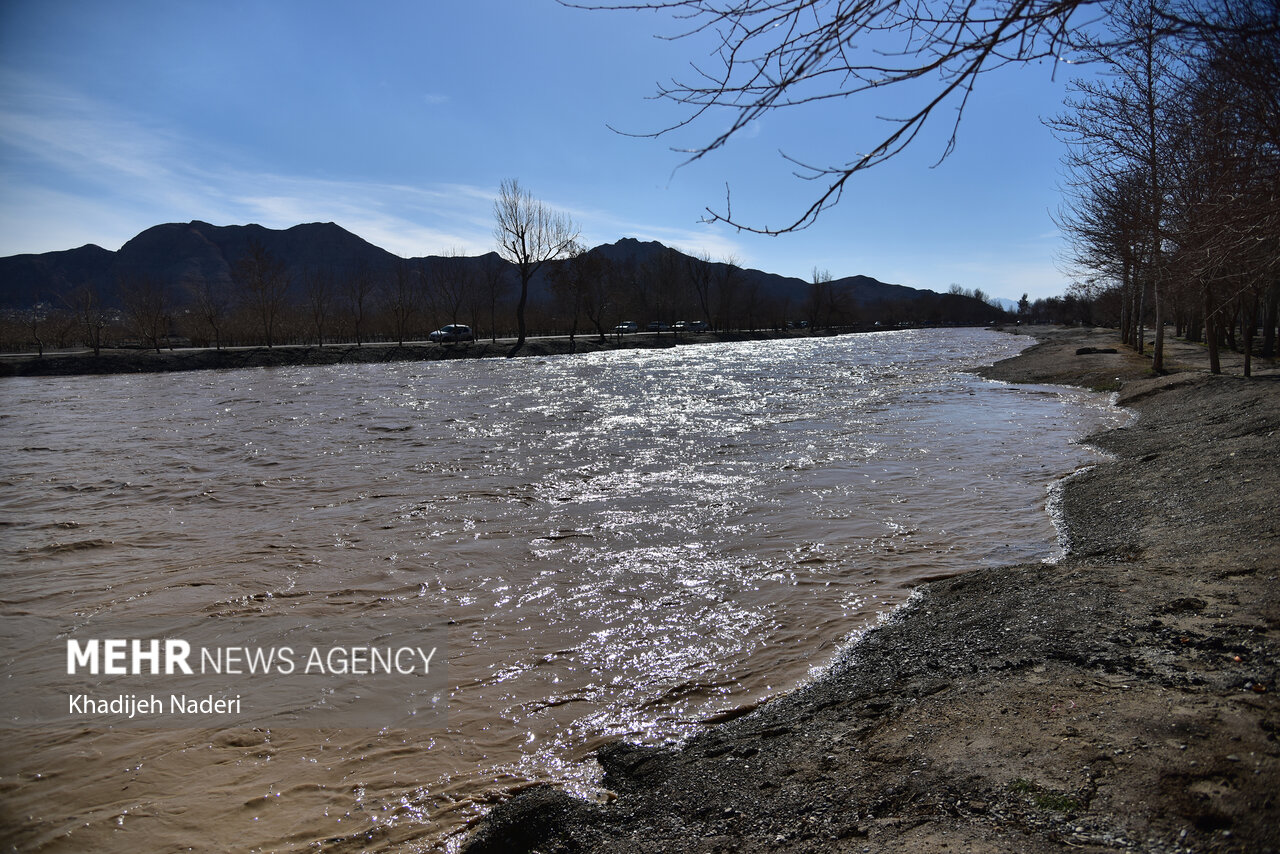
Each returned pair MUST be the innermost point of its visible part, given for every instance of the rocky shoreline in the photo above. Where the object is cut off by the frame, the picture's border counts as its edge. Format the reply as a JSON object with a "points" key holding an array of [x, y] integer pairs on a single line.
{"points": [[1124, 699]]}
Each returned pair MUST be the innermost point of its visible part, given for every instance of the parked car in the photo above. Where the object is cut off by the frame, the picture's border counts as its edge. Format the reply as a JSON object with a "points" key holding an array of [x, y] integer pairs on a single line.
{"points": [[626, 326], [658, 326], [452, 332], [696, 326]]}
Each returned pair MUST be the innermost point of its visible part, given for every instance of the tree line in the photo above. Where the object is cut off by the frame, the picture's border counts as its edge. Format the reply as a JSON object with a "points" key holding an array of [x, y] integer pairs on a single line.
{"points": [[265, 304], [1173, 196], [585, 293]]}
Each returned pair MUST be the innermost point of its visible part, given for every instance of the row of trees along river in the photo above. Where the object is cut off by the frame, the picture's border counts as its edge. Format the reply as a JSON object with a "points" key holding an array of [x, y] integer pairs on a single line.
{"points": [[582, 293], [1173, 195]]}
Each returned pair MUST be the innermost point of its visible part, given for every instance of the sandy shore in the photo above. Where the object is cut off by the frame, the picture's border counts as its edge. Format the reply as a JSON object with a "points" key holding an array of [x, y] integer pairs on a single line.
{"points": [[1124, 699]]}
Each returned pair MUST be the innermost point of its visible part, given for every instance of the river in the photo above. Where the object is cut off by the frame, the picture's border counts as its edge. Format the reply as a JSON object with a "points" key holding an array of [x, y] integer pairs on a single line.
{"points": [[617, 545]]}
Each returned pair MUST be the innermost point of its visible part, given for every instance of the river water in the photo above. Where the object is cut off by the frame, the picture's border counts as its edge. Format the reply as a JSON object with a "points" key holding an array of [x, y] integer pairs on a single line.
{"points": [[620, 545]]}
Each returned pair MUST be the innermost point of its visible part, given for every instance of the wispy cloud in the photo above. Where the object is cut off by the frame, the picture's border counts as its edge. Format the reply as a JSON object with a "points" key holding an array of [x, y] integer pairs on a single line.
{"points": [[55, 140], [76, 171], [66, 159], [405, 220]]}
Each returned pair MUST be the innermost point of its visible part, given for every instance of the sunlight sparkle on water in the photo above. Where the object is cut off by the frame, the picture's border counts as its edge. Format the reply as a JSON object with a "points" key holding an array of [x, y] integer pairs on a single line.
{"points": [[622, 544]]}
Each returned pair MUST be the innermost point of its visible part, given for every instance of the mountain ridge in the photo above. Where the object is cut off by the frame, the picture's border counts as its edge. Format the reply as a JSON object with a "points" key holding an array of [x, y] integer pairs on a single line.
{"points": [[197, 252]]}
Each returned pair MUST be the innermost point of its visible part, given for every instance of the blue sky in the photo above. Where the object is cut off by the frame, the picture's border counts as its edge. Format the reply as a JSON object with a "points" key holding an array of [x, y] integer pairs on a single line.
{"points": [[398, 120]]}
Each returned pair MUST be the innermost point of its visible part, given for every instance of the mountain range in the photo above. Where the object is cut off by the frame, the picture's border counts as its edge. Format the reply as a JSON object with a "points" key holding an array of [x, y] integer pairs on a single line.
{"points": [[191, 254]]}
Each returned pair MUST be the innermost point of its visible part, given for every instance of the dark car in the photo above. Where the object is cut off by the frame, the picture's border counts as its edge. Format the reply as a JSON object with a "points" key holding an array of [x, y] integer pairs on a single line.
{"points": [[657, 326], [452, 332], [626, 326]]}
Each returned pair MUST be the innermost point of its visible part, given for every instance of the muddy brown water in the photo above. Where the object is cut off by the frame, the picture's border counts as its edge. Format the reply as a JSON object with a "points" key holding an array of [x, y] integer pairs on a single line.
{"points": [[622, 545]]}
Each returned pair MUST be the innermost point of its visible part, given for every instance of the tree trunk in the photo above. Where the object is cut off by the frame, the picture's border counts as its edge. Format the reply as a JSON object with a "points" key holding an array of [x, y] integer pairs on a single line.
{"points": [[1211, 334], [1139, 333], [1249, 319], [1194, 326], [1270, 320], [520, 324], [1157, 351]]}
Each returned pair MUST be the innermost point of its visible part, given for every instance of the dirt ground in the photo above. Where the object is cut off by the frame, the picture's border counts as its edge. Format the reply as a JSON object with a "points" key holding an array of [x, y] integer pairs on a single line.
{"points": [[1124, 699]]}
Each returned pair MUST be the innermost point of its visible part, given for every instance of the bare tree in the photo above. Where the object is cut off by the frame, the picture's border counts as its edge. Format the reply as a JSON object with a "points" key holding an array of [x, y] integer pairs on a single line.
{"points": [[598, 297], [1118, 130], [529, 234], [146, 307], [34, 319], [85, 303], [452, 283], [698, 270], [728, 287], [666, 274], [820, 299], [403, 298], [495, 283], [1174, 167], [318, 289], [264, 281], [1226, 210], [624, 292], [211, 302], [358, 292], [44, 321], [1101, 215], [578, 284]]}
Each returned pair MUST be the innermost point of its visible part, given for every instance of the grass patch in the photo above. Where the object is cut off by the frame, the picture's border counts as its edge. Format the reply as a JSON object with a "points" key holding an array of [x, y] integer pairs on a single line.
{"points": [[1043, 798], [1056, 802]]}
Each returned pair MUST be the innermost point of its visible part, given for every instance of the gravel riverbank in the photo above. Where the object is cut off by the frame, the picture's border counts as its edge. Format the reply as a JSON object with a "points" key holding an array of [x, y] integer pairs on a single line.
{"points": [[1123, 699]]}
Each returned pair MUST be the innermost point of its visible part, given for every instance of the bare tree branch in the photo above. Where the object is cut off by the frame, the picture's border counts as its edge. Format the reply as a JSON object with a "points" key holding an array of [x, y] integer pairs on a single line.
{"points": [[773, 55]]}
